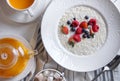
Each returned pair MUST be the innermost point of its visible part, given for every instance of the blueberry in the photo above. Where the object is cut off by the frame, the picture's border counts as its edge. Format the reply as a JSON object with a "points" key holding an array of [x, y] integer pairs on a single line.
{"points": [[86, 17], [86, 32], [83, 30], [73, 29], [84, 36], [88, 36], [74, 18], [71, 25], [68, 22]]}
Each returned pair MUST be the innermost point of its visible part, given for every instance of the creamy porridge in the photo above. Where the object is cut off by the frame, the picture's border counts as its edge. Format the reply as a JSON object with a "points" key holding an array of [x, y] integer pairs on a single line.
{"points": [[86, 19]]}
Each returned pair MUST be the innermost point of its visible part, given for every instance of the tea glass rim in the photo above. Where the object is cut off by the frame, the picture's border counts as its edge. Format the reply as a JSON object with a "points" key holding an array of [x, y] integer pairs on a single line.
{"points": [[19, 9]]}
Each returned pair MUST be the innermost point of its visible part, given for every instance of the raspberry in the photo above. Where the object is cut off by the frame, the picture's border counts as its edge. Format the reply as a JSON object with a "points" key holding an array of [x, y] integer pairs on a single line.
{"points": [[92, 22], [84, 24], [65, 30], [79, 30], [75, 23], [95, 28], [77, 38]]}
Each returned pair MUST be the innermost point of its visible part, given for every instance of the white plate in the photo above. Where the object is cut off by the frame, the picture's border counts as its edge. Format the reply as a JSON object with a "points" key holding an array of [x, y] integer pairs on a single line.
{"points": [[31, 63], [22, 17], [81, 63]]}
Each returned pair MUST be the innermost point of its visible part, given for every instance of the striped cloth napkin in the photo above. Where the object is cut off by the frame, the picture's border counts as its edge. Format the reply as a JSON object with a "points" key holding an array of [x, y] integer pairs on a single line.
{"points": [[107, 76]]}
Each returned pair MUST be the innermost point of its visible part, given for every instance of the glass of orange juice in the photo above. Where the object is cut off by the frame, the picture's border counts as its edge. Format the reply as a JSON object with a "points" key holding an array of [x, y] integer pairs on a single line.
{"points": [[21, 5]]}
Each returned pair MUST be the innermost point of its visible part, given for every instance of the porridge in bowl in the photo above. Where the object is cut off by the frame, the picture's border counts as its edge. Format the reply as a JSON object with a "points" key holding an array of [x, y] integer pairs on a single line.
{"points": [[82, 30]]}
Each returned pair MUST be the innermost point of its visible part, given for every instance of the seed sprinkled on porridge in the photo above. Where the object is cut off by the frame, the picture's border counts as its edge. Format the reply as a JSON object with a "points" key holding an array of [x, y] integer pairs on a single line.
{"points": [[82, 30]]}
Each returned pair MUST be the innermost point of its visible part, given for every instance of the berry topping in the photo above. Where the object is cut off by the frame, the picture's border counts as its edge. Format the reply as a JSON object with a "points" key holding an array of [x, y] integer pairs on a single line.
{"points": [[77, 38], [75, 23], [84, 24], [91, 31], [79, 30], [68, 22], [73, 29], [83, 30], [88, 36], [95, 28], [71, 41], [74, 18], [92, 22], [84, 36], [92, 35], [71, 25], [86, 17], [65, 30], [86, 31], [89, 26]]}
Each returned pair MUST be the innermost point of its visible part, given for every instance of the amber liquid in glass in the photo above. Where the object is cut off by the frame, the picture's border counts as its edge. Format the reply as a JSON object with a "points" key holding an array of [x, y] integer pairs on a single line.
{"points": [[21, 4], [21, 63]]}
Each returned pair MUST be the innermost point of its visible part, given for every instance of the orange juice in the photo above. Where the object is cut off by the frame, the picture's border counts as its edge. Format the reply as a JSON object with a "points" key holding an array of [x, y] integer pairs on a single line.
{"points": [[8, 56], [20, 4]]}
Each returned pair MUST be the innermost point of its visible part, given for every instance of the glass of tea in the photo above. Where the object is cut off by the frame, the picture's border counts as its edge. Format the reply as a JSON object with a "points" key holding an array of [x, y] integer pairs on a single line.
{"points": [[15, 52], [21, 5]]}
